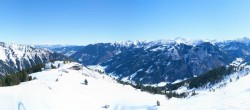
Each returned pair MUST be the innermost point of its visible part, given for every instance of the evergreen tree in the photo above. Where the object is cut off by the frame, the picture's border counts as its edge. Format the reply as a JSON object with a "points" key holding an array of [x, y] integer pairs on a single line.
{"points": [[158, 103], [53, 67], [21, 76], [86, 82], [30, 78]]}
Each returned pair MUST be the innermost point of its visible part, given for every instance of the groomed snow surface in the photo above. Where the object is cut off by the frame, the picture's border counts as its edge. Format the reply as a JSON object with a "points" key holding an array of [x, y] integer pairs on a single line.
{"points": [[69, 92]]}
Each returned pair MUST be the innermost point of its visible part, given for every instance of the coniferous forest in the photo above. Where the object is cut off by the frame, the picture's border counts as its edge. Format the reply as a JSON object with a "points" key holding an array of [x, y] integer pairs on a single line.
{"points": [[207, 79], [21, 76]]}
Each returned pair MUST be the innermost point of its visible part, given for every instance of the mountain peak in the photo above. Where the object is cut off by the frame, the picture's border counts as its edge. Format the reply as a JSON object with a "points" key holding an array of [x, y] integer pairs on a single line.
{"points": [[243, 40]]}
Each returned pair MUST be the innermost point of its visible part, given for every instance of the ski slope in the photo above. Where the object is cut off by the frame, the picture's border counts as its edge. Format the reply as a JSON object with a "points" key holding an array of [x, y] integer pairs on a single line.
{"points": [[64, 89]]}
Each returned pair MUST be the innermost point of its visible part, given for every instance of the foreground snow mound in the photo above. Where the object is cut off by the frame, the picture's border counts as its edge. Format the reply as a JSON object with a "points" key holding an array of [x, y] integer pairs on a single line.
{"points": [[64, 88]]}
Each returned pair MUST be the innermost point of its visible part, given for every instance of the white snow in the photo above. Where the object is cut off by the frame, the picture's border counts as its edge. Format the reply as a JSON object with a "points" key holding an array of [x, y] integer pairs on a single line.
{"points": [[133, 75], [149, 70], [158, 49], [97, 67], [125, 79], [118, 52], [70, 53], [118, 66], [14, 52], [161, 84], [70, 93], [80, 59], [2, 54], [168, 63], [237, 62], [177, 81], [129, 43]]}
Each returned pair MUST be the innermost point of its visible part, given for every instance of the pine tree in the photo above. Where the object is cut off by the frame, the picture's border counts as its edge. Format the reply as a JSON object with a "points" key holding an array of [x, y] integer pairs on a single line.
{"points": [[158, 103], [237, 78], [53, 67], [86, 82], [193, 93], [30, 78]]}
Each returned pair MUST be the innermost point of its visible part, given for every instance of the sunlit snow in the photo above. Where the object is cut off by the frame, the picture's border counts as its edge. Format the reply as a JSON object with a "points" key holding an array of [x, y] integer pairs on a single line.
{"points": [[64, 89]]}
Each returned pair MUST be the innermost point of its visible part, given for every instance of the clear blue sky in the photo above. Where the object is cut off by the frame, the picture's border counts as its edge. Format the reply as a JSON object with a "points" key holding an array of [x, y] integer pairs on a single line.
{"points": [[90, 21]]}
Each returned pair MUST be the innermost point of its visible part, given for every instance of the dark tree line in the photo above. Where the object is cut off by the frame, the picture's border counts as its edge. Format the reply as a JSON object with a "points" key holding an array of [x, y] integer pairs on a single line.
{"points": [[207, 79], [212, 77], [150, 89], [156, 90], [21, 76]]}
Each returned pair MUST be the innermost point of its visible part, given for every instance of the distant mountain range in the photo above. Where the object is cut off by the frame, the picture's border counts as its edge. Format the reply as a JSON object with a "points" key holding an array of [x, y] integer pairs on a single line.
{"points": [[15, 57], [159, 61]]}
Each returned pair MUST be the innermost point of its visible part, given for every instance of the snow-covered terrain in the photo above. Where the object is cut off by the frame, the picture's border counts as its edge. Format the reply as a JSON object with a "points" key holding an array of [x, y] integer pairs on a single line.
{"points": [[69, 92], [17, 51], [16, 57], [64, 89]]}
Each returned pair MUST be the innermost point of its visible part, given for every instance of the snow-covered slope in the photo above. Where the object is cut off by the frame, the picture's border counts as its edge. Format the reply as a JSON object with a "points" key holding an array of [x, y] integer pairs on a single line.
{"points": [[70, 92], [64, 89], [230, 94]]}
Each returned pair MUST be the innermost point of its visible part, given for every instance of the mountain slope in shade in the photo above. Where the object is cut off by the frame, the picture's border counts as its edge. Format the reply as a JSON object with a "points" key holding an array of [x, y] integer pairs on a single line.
{"points": [[152, 62], [160, 61], [15, 57], [68, 50]]}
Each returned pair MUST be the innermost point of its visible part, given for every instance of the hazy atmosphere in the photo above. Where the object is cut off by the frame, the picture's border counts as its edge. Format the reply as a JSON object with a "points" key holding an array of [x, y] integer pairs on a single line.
{"points": [[90, 21]]}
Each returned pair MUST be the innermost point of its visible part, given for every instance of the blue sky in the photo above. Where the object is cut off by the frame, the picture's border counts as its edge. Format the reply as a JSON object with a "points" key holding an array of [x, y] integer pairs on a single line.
{"points": [[89, 21]]}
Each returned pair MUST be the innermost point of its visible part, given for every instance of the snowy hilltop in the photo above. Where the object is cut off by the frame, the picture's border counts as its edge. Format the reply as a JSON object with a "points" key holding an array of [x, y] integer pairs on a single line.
{"points": [[71, 86]]}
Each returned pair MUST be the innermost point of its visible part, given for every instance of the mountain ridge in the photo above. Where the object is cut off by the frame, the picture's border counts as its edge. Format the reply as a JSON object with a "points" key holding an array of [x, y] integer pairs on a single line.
{"points": [[16, 57], [162, 60]]}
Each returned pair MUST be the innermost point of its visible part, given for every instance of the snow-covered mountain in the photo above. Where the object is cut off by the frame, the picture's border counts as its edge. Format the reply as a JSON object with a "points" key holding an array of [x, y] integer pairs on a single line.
{"points": [[48, 46], [15, 57], [68, 50], [64, 88], [162, 60]]}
